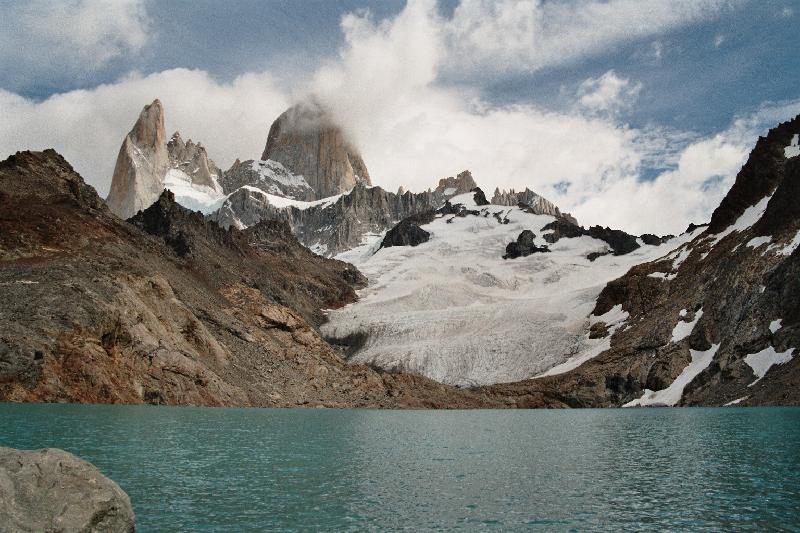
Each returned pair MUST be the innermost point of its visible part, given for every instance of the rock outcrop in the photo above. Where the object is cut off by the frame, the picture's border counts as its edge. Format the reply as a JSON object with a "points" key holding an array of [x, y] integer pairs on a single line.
{"points": [[537, 204], [619, 242], [147, 164], [306, 140], [328, 227], [52, 490], [523, 246], [408, 231], [141, 165], [269, 176], [193, 160], [452, 186]]}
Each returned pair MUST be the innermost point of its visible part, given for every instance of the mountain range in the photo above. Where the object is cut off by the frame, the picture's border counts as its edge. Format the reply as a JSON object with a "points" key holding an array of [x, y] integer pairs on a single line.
{"points": [[293, 280]]}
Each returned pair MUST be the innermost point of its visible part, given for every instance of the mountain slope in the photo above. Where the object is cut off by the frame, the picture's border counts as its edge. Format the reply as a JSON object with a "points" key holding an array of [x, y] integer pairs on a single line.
{"points": [[715, 322], [169, 308]]}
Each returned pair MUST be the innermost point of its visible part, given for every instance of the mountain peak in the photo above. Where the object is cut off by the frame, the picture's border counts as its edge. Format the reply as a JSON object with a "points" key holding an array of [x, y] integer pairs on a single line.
{"points": [[141, 164], [309, 143]]}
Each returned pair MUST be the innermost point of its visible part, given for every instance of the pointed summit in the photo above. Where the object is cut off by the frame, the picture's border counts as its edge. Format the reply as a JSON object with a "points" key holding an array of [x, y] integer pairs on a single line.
{"points": [[141, 164], [306, 140]]}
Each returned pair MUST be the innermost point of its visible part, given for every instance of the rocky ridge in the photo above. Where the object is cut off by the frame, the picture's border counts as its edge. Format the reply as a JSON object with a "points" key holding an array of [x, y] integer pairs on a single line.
{"points": [[141, 165], [539, 204]]}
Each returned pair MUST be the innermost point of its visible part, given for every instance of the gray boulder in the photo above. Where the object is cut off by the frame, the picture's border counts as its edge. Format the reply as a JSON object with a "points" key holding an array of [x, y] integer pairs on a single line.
{"points": [[52, 490]]}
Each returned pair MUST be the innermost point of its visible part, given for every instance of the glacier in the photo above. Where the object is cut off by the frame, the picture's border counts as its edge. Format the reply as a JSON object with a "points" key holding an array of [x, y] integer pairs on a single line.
{"points": [[455, 311]]}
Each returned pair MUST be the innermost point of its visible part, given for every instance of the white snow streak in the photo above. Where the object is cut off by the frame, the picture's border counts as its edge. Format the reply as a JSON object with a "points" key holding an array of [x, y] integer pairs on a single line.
{"points": [[672, 394], [684, 329]]}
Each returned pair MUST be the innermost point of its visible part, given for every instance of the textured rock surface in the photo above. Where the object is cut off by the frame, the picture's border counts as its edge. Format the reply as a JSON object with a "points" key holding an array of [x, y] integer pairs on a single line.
{"points": [[330, 227], [52, 490], [306, 140], [452, 186], [147, 164], [619, 242], [269, 176], [141, 164], [407, 232], [523, 246], [170, 309], [538, 204], [192, 159]]}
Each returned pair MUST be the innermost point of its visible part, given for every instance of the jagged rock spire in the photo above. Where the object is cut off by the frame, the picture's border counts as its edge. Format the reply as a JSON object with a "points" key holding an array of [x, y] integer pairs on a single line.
{"points": [[141, 164]]}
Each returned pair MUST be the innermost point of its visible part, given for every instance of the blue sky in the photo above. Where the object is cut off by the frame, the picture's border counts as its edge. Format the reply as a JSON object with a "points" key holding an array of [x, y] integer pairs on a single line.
{"points": [[426, 88]]}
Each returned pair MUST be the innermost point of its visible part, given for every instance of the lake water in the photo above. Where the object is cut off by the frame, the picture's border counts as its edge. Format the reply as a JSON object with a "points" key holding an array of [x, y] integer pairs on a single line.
{"points": [[211, 469]]}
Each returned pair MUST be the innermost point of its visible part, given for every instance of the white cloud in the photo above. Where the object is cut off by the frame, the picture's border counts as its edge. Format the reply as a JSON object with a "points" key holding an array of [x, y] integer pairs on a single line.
{"points": [[413, 130], [718, 40], [503, 35], [70, 38], [608, 93]]}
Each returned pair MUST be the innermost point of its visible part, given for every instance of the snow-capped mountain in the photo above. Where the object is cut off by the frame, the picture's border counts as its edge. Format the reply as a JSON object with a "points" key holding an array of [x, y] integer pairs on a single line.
{"points": [[453, 309]]}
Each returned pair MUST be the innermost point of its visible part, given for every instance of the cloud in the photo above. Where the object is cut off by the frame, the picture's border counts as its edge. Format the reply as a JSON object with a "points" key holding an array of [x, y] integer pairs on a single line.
{"points": [[529, 35], [607, 93], [386, 87], [718, 40], [70, 38]]}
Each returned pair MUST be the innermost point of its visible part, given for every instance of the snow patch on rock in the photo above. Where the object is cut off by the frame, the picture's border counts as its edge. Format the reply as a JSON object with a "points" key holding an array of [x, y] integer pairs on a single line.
{"points": [[684, 329], [762, 361], [672, 394], [793, 150]]}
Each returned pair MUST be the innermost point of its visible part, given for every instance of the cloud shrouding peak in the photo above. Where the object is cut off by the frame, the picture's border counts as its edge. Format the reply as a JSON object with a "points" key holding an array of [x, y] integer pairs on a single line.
{"points": [[386, 88]]}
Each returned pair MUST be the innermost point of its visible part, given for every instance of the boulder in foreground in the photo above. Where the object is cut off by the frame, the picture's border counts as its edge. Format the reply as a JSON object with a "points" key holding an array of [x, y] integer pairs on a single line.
{"points": [[52, 490]]}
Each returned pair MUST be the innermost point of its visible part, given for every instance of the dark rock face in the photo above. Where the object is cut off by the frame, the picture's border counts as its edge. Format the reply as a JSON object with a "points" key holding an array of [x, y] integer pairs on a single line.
{"points": [[655, 240], [407, 232], [524, 246], [759, 176], [480, 197], [52, 490], [620, 242]]}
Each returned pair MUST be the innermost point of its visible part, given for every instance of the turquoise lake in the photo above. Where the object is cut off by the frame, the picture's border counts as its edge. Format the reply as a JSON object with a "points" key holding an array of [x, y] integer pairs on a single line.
{"points": [[212, 469]]}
